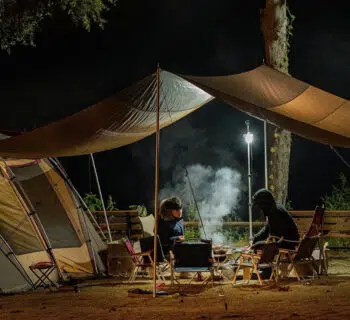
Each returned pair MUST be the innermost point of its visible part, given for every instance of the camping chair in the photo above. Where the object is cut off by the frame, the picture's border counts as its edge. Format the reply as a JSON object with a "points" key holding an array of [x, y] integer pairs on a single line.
{"points": [[138, 260], [42, 271], [302, 255], [147, 225], [316, 226], [265, 257], [193, 257], [315, 229], [162, 264]]}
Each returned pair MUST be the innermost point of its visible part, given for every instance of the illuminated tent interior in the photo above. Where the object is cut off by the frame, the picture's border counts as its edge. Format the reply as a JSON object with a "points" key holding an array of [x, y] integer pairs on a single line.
{"points": [[129, 115]]}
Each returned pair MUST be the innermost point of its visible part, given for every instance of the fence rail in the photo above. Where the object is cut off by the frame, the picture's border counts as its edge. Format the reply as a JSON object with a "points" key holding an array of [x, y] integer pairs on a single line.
{"points": [[336, 223]]}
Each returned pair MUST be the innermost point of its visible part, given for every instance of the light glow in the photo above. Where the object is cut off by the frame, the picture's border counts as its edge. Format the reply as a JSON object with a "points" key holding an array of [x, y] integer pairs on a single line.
{"points": [[248, 137]]}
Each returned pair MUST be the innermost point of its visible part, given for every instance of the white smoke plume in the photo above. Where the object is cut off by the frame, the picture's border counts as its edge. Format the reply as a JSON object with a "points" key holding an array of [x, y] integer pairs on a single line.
{"points": [[217, 193]]}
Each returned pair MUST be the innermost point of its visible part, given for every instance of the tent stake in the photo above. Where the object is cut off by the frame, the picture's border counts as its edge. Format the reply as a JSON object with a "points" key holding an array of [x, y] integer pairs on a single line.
{"points": [[155, 243], [101, 197]]}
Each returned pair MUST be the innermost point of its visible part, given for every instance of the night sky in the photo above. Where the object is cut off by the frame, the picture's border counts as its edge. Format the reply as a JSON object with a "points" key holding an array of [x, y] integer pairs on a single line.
{"points": [[70, 69]]}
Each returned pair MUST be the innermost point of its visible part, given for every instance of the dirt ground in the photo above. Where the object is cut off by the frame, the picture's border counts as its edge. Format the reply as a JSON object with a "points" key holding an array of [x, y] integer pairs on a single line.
{"points": [[324, 298]]}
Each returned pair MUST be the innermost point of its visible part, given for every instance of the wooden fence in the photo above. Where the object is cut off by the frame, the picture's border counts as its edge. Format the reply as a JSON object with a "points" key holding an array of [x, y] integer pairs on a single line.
{"points": [[336, 223], [121, 222]]}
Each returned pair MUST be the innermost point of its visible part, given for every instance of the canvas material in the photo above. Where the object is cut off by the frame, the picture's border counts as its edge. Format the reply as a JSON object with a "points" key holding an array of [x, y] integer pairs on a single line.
{"points": [[129, 115]]}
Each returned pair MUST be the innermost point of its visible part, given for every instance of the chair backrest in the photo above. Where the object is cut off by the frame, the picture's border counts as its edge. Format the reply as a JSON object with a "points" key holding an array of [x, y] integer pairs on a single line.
{"points": [[316, 223], [193, 254], [131, 249], [147, 225], [268, 252], [147, 244], [306, 247]]}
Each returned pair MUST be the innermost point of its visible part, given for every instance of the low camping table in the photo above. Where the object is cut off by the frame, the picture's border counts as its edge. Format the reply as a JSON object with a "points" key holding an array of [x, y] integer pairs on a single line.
{"points": [[42, 271]]}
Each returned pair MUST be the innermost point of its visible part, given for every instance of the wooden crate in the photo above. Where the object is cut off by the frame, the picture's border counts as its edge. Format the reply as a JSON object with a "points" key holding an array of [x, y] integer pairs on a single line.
{"points": [[118, 259]]}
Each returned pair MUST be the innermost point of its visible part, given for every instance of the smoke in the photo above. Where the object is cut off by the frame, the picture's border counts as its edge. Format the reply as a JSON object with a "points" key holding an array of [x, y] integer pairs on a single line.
{"points": [[217, 193]]}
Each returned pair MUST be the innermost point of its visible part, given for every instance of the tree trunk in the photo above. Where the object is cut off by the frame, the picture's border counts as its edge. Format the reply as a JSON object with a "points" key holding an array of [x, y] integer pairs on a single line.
{"points": [[275, 28]]}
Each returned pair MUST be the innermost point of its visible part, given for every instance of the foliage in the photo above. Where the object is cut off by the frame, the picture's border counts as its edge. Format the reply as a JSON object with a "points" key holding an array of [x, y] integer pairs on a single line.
{"points": [[289, 205], [142, 210], [338, 242], [111, 204], [231, 235], [235, 234], [94, 202], [21, 20], [192, 234], [191, 212], [339, 199]]}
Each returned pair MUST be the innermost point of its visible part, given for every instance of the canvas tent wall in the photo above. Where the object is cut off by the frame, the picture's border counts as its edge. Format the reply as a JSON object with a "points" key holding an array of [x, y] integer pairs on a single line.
{"points": [[44, 192]]}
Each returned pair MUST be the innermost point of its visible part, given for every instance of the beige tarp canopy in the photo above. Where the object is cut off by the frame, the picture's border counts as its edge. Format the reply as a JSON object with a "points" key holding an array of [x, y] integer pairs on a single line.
{"points": [[285, 101], [129, 115]]}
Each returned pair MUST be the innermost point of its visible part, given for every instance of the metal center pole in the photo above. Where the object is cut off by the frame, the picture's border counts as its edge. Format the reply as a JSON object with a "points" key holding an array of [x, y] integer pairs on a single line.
{"points": [[156, 187], [249, 184]]}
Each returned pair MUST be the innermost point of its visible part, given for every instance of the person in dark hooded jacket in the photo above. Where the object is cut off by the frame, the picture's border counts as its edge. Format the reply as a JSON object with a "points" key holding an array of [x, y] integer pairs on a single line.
{"points": [[279, 222]]}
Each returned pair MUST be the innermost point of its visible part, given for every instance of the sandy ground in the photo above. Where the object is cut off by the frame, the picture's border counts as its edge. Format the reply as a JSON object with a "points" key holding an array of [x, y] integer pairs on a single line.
{"points": [[324, 298]]}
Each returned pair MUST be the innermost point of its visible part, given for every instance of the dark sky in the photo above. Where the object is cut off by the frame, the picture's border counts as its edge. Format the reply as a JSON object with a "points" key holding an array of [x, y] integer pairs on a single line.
{"points": [[70, 69]]}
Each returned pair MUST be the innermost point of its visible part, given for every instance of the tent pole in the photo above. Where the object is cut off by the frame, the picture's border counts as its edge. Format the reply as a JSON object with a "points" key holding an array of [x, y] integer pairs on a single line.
{"points": [[78, 202], [32, 213], [265, 156], [19, 267], [155, 243], [89, 241], [87, 236], [67, 179], [101, 197]]}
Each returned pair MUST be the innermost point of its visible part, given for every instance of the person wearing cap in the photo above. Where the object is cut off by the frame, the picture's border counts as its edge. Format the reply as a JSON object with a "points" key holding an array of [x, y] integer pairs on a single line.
{"points": [[279, 222], [170, 225]]}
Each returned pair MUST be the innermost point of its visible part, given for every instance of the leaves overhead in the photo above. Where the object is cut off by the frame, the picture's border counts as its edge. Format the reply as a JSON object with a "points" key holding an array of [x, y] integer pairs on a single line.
{"points": [[20, 20]]}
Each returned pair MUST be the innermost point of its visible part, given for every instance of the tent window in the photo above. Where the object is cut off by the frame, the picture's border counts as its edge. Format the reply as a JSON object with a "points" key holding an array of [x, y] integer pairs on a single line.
{"points": [[48, 206], [15, 226]]}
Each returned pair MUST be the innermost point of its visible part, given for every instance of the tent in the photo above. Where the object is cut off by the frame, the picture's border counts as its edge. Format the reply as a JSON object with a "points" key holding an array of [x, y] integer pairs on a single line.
{"points": [[130, 115], [41, 220]]}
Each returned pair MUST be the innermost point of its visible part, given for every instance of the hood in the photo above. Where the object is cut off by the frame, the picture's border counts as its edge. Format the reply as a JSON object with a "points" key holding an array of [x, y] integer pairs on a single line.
{"points": [[264, 199]]}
